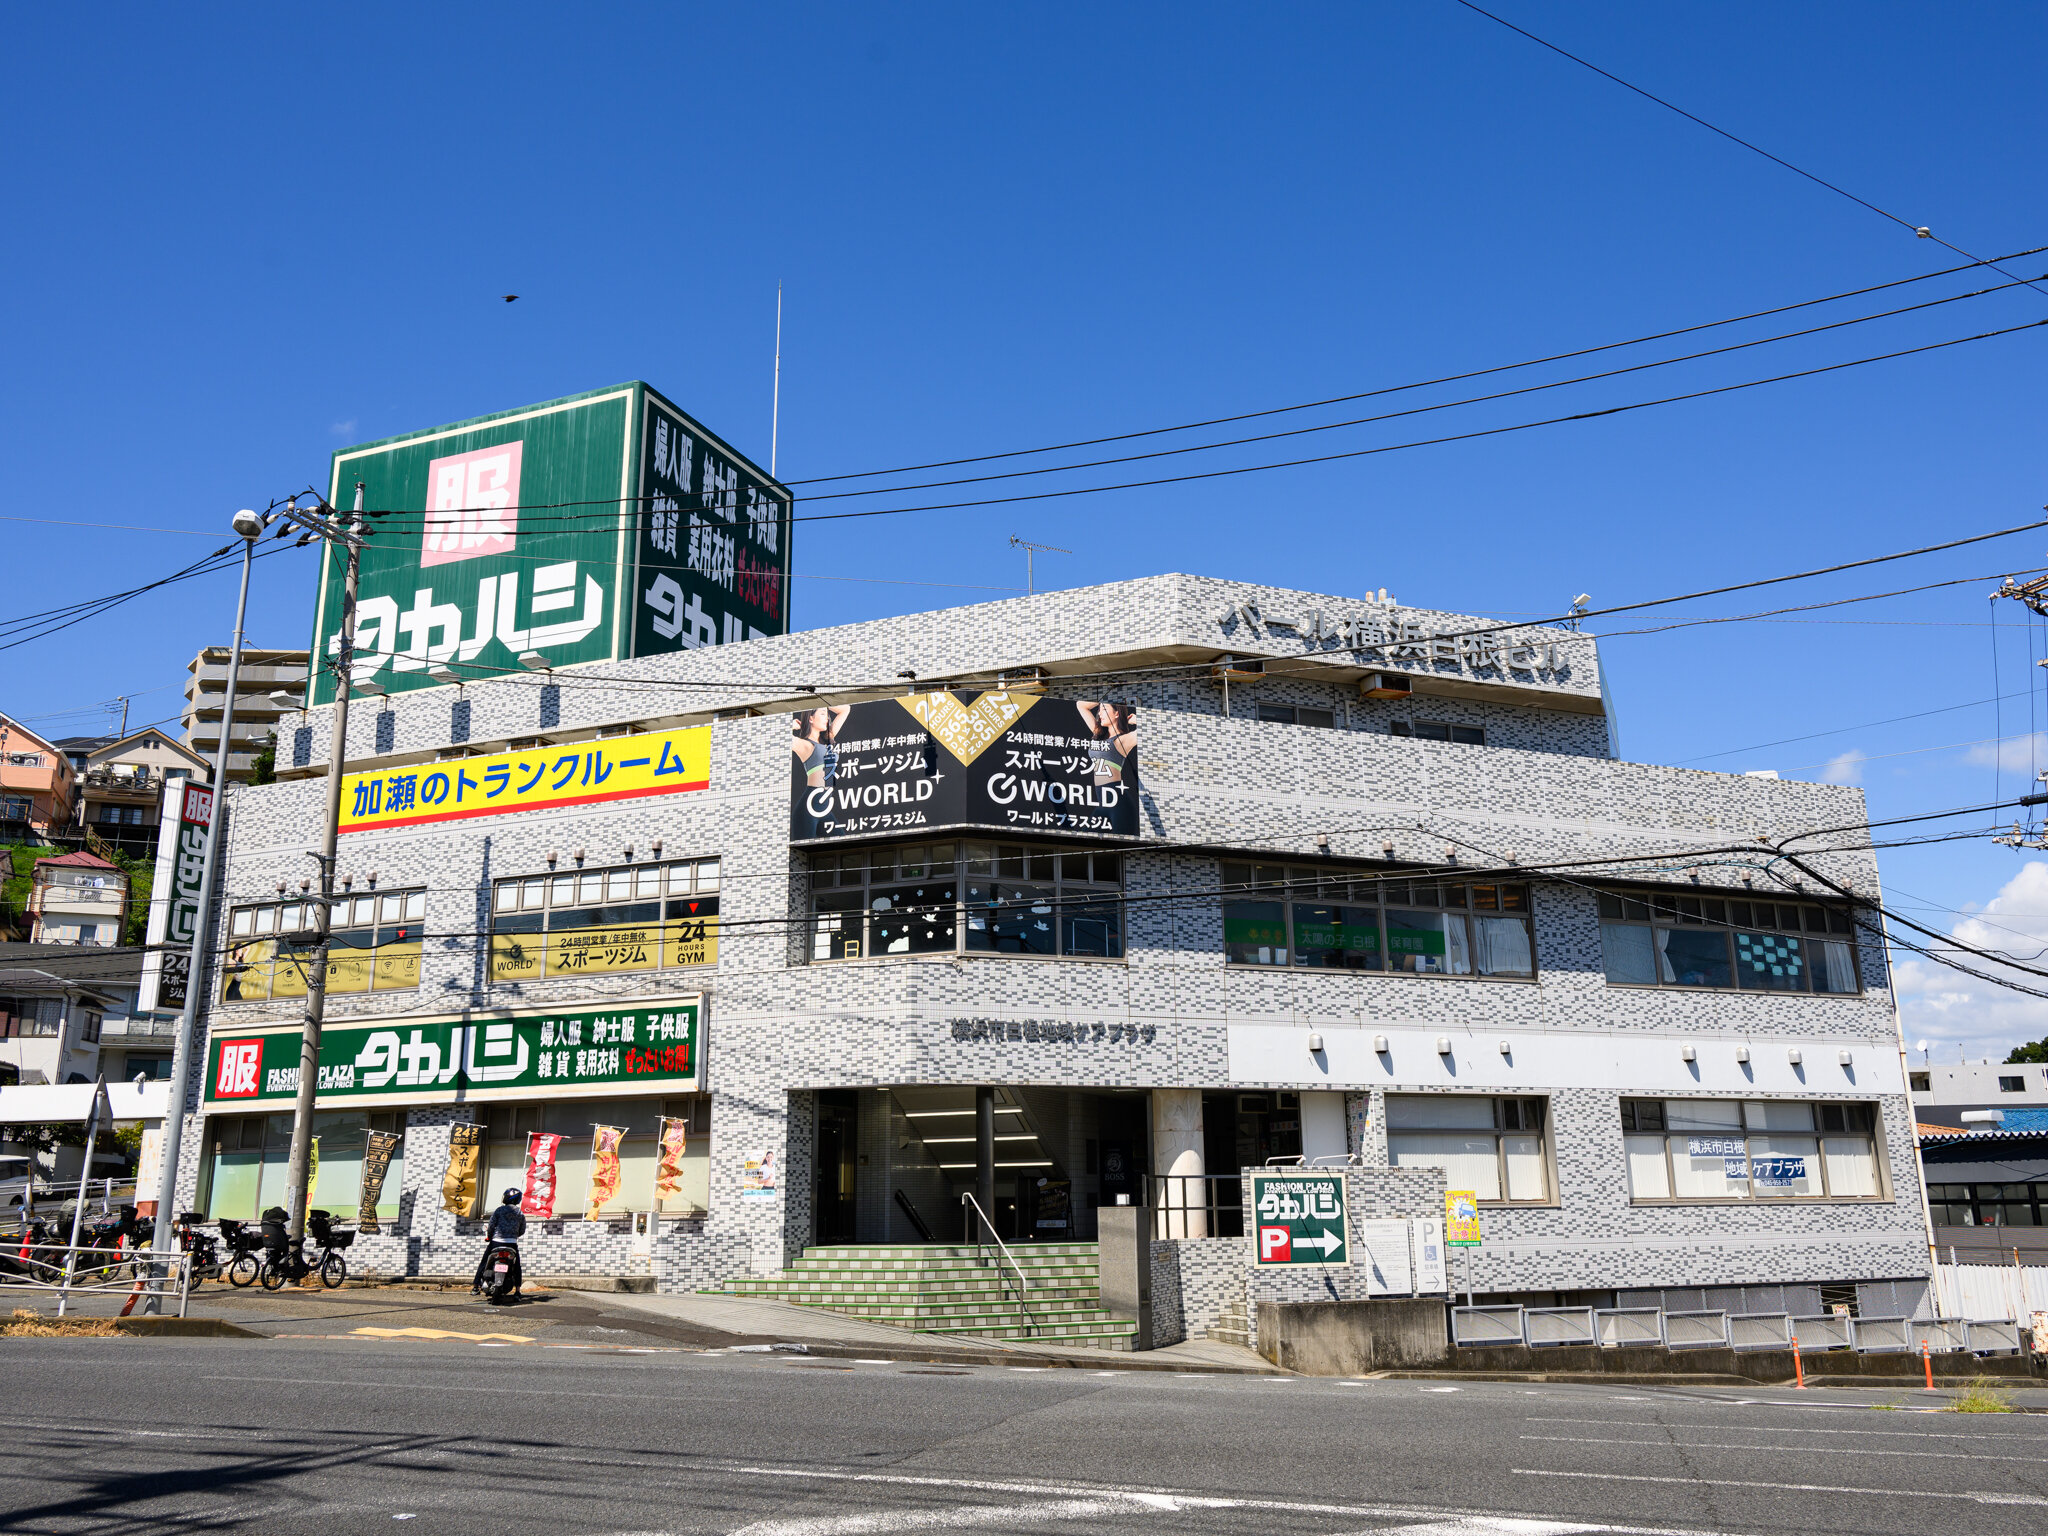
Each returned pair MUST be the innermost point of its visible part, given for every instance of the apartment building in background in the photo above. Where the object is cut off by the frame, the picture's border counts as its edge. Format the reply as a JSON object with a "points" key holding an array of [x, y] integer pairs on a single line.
{"points": [[264, 672]]}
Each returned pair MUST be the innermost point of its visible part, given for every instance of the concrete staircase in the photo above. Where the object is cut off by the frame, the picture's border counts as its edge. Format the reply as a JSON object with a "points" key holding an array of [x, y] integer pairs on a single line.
{"points": [[948, 1290]]}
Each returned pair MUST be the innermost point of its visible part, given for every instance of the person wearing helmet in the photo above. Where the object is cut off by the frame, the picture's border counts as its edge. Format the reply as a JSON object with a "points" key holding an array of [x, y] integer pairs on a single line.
{"points": [[508, 1225]]}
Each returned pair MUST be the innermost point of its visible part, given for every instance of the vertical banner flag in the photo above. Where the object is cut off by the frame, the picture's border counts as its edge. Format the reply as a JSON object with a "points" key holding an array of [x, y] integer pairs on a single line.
{"points": [[376, 1164], [668, 1169], [539, 1200], [604, 1168], [459, 1185], [312, 1170], [1461, 1218], [149, 1168]]}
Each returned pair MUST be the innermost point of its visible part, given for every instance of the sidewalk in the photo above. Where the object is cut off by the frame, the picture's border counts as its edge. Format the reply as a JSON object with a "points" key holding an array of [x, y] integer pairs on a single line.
{"points": [[690, 1320]]}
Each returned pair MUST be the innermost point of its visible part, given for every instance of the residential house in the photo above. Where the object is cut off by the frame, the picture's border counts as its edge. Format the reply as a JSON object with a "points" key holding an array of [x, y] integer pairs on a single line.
{"points": [[54, 1003], [121, 782], [77, 898], [38, 786]]}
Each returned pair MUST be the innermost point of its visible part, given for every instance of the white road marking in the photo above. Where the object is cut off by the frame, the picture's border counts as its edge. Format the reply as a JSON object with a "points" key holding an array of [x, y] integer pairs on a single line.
{"points": [[1724, 1482], [1488, 1525], [1790, 1450], [1166, 1499], [1780, 1429], [936, 1519], [874, 1362], [1443, 1389]]}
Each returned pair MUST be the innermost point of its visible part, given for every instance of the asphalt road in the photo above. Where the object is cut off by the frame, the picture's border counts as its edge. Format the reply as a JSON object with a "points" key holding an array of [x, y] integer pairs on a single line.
{"points": [[351, 1435]]}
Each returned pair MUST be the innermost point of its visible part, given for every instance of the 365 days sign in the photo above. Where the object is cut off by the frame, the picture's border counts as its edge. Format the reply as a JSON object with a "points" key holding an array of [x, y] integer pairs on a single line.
{"points": [[556, 1053]]}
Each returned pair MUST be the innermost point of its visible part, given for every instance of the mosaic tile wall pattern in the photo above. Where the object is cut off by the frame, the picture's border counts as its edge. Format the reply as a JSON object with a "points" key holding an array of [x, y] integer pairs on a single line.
{"points": [[1542, 789]]}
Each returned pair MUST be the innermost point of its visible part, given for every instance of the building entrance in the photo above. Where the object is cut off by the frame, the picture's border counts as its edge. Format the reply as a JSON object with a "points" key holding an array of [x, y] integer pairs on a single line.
{"points": [[838, 1170]]}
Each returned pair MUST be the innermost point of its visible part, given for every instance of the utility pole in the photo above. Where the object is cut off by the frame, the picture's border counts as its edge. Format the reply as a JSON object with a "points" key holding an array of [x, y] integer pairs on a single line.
{"points": [[249, 524], [347, 532], [1030, 576], [122, 700]]}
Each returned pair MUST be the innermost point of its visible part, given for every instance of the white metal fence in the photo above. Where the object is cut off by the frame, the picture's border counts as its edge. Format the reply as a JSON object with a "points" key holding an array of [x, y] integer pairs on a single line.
{"points": [[67, 1272], [1991, 1290]]}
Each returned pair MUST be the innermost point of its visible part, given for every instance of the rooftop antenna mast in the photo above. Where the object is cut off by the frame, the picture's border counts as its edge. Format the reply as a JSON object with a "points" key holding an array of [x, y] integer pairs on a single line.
{"points": [[1030, 549], [775, 412]]}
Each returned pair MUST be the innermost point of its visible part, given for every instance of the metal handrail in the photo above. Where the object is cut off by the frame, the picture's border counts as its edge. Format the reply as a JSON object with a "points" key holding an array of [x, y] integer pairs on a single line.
{"points": [[71, 1269], [1023, 1285]]}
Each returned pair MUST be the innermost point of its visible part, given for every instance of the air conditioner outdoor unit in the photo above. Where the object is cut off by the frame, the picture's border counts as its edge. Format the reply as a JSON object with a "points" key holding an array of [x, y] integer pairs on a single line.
{"points": [[1238, 669], [1385, 685]]}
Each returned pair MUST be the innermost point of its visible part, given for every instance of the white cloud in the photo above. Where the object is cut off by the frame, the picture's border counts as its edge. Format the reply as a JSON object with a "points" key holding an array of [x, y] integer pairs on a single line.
{"points": [[1952, 1011], [1845, 768], [344, 428], [2015, 754]]}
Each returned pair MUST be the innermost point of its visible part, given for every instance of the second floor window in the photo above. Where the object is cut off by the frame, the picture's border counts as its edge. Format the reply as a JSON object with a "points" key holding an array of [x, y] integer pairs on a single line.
{"points": [[639, 917], [1323, 919], [1768, 1149], [1493, 1147], [374, 946], [1653, 939], [977, 898]]}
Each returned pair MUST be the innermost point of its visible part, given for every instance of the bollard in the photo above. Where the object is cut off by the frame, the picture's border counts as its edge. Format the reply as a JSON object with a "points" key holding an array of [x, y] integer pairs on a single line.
{"points": [[1798, 1366], [1927, 1363]]}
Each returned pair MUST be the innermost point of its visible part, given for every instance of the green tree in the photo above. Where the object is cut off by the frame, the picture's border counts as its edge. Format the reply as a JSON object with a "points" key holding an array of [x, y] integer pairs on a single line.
{"points": [[2033, 1054], [263, 770]]}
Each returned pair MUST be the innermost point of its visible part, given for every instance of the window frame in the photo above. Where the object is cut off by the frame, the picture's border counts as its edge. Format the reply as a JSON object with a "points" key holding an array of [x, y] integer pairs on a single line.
{"points": [[268, 921], [1500, 1133], [1820, 1134], [1973, 1196], [705, 884], [1701, 911], [1030, 864], [508, 1123], [1448, 731], [1292, 886]]}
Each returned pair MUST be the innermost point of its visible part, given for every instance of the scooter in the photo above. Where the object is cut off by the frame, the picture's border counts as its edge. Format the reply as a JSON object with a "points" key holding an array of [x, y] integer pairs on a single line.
{"points": [[501, 1271]]}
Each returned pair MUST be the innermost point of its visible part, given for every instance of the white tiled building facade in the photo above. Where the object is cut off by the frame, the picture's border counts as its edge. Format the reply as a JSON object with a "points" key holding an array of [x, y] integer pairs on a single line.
{"points": [[1650, 1122]]}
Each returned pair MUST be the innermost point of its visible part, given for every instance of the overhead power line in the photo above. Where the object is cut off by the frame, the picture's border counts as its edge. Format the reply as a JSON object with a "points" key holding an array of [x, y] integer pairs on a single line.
{"points": [[1919, 230]]}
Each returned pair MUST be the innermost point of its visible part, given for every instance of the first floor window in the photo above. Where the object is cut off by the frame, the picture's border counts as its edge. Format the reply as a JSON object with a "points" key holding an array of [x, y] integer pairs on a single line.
{"points": [[1749, 1149], [508, 1128], [248, 1161], [1494, 1147]]}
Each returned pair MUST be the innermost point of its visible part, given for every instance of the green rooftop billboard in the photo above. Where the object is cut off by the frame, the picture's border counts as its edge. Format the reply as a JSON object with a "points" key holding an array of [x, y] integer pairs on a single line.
{"points": [[593, 528]]}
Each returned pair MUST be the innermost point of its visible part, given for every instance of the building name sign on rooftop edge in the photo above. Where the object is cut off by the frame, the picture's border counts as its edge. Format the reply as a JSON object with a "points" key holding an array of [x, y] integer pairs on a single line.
{"points": [[1392, 636]]}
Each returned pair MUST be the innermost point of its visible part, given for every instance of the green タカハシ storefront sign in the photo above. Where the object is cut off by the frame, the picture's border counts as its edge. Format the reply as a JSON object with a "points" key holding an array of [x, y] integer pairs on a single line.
{"points": [[592, 1050]]}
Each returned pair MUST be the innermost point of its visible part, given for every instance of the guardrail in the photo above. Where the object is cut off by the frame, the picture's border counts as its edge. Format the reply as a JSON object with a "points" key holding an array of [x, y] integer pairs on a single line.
{"points": [[1695, 1330], [1548, 1327], [1941, 1335], [1881, 1335], [1993, 1336], [69, 1270], [1824, 1330], [1486, 1325], [1760, 1330], [1619, 1327]]}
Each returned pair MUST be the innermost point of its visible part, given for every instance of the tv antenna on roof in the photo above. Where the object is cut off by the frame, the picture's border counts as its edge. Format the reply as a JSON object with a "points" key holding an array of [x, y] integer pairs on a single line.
{"points": [[1030, 549]]}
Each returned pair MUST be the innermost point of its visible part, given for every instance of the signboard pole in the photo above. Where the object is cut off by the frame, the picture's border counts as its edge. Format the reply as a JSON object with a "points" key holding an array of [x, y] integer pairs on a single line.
{"points": [[195, 977], [349, 533]]}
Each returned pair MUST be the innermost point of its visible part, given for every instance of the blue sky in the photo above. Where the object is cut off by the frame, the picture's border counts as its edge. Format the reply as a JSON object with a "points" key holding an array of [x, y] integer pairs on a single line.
{"points": [[241, 239]]}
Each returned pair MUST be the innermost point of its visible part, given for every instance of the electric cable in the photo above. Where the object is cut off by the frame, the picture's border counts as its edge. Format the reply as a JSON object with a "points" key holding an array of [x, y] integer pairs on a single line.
{"points": [[1919, 230]]}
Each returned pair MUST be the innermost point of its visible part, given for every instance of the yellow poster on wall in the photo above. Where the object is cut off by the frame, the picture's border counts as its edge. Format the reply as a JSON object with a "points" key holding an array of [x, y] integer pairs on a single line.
{"points": [[582, 951], [1461, 1218]]}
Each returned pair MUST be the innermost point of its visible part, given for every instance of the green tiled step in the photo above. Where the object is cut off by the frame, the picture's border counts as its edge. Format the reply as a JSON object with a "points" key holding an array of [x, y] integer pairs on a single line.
{"points": [[928, 1252], [953, 1289], [854, 1293]]}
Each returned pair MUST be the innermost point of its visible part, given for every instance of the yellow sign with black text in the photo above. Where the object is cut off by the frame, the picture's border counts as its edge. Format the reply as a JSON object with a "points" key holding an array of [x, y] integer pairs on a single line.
{"points": [[577, 773]]}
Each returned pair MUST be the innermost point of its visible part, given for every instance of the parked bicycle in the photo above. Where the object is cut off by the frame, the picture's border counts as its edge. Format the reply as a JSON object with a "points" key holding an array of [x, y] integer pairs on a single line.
{"points": [[282, 1264], [243, 1248], [201, 1248]]}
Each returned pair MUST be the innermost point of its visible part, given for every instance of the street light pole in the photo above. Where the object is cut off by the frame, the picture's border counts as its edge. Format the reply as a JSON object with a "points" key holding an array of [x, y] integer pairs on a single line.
{"points": [[248, 524], [348, 532]]}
